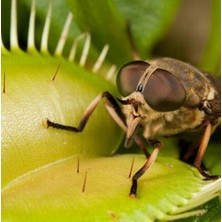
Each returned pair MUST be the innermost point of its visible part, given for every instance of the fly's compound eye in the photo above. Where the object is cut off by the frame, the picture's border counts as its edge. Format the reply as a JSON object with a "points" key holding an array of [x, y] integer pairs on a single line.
{"points": [[129, 76], [164, 92]]}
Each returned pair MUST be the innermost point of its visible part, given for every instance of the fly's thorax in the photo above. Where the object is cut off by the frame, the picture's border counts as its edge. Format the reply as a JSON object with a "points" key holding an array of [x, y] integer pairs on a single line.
{"points": [[173, 122], [182, 120]]}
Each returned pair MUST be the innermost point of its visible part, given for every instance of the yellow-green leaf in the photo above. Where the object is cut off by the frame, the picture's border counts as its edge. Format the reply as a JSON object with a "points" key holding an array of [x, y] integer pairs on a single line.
{"points": [[55, 192]]}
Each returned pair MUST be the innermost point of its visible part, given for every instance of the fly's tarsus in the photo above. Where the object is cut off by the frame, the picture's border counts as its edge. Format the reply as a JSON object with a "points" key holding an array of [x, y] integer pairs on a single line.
{"points": [[149, 162], [60, 126]]}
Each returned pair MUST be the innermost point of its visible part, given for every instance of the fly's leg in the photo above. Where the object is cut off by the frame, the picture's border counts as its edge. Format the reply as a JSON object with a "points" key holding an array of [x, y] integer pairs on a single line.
{"points": [[111, 105], [138, 140], [157, 145], [201, 151], [114, 110]]}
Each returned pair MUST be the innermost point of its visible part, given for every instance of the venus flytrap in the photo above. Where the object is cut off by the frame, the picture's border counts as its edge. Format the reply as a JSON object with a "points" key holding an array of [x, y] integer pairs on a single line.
{"points": [[51, 175], [39, 86], [56, 192]]}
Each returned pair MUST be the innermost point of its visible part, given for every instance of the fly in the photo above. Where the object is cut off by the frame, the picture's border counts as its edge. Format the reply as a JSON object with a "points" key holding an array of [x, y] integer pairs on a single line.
{"points": [[165, 97]]}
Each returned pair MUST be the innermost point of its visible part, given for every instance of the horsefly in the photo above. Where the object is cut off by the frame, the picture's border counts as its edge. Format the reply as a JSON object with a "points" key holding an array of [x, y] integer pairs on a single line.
{"points": [[162, 97]]}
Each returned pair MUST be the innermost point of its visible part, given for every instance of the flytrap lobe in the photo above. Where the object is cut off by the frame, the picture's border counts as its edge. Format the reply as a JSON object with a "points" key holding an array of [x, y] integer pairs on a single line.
{"points": [[157, 100]]}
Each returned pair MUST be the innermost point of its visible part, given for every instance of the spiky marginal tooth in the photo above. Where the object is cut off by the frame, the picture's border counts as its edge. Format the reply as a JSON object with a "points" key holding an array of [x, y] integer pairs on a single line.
{"points": [[206, 193], [100, 59], [31, 31], [13, 26], [111, 72], [85, 51], [45, 33], [64, 34], [184, 215], [62, 40], [73, 50]]}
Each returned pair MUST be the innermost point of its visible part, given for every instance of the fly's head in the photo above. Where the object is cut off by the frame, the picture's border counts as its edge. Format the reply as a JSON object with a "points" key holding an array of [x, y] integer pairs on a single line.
{"points": [[149, 92], [162, 96]]}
